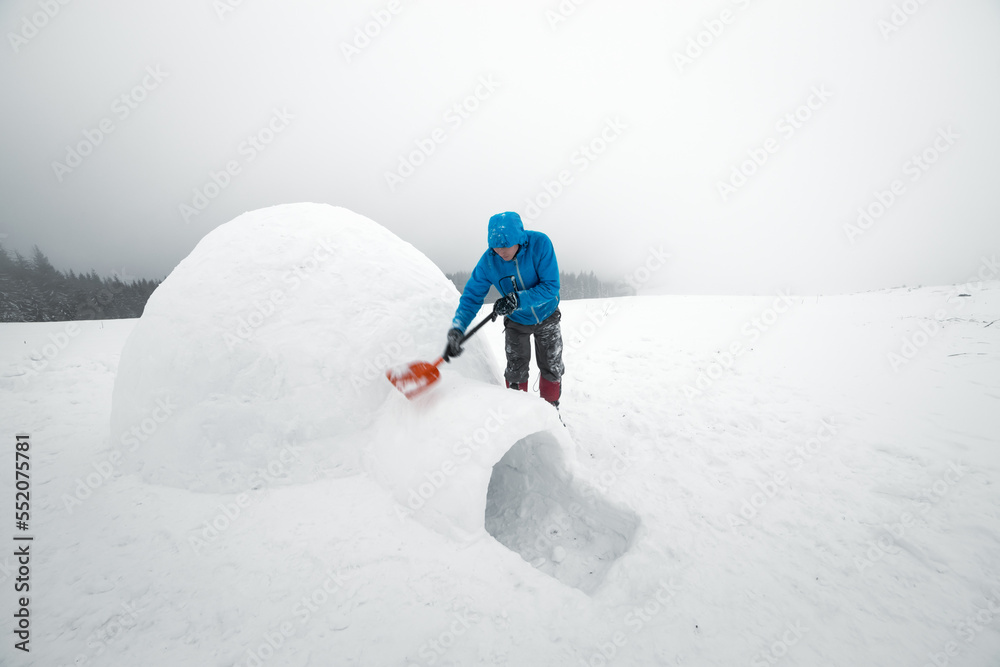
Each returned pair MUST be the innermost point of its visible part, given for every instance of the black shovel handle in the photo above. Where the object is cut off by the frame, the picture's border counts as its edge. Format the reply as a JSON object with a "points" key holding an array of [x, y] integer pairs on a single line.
{"points": [[491, 318], [479, 326]]}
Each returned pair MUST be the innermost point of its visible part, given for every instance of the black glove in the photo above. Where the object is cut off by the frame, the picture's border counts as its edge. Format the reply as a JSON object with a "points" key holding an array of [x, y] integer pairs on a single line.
{"points": [[454, 347], [506, 305]]}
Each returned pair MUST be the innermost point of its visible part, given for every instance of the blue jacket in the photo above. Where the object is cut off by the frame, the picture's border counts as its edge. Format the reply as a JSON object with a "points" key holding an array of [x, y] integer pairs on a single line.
{"points": [[534, 271]]}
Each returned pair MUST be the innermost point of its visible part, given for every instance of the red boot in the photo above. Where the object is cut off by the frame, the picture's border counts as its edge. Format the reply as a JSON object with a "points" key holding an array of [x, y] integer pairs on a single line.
{"points": [[550, 391], [522, 386]]}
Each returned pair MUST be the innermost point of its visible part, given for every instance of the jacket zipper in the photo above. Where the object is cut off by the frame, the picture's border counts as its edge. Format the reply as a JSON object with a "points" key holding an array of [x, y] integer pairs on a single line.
{"points": [[517, 267]]}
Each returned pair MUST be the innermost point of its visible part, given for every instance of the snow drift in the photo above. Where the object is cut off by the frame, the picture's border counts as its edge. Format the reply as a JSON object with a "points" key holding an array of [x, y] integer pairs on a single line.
{"points": [[880, 541], [260, 361]]}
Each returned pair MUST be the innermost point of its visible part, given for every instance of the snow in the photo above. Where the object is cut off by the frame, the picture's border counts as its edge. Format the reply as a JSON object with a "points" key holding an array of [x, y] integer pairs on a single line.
{"points": [[742, 481]]}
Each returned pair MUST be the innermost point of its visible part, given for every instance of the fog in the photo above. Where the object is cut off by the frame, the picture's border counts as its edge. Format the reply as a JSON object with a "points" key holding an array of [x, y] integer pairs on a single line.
{"points": [[760, 145]]}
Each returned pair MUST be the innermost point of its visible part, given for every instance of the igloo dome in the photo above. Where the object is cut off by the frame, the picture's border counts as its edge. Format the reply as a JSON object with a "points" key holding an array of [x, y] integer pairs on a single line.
{"points": [[262, 354]]}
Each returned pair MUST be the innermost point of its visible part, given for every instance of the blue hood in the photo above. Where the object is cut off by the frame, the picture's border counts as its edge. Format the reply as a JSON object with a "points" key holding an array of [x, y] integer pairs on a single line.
{"points": [[534, 270], [506, 230]]}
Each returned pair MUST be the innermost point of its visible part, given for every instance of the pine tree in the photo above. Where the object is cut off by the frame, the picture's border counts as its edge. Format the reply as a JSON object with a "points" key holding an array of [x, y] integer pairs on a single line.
{"points": [[9, 288], [35, 291]]}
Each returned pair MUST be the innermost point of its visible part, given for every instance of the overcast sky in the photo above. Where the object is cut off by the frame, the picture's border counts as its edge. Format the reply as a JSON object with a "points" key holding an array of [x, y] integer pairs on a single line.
{"points": [[820, 107]]}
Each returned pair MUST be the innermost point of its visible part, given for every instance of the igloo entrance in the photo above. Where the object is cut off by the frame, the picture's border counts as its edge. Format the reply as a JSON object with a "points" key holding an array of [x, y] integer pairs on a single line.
{"points": [[535, 508]]}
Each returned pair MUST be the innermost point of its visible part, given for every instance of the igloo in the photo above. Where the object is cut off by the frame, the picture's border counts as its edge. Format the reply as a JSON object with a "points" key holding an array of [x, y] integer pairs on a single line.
{"points": [[262, 354], [260, 361]]}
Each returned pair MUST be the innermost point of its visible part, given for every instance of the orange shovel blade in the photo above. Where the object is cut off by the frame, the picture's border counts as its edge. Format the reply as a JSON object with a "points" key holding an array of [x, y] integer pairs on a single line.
{"points": [[414, 379]]}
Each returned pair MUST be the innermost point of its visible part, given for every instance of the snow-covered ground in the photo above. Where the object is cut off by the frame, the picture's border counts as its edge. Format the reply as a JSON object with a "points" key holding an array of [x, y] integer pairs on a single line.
{"points": [[741, 481]]}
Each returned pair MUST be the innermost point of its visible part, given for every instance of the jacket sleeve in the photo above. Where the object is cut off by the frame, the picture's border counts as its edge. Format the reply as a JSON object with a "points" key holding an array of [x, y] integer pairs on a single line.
{"points": [[473, 295], [547, 269]]}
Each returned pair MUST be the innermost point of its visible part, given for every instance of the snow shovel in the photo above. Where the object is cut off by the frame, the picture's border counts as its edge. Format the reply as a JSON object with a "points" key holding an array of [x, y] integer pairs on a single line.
{"points": [[418, 376]]}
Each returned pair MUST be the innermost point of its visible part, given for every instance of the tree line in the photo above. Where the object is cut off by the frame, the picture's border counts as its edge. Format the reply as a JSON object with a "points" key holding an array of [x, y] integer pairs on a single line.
{"points": [[579, 285], [32, 290]]}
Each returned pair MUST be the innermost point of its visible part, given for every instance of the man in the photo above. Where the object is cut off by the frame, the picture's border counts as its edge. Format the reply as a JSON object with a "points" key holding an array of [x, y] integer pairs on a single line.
{"points": [[522, 266]]}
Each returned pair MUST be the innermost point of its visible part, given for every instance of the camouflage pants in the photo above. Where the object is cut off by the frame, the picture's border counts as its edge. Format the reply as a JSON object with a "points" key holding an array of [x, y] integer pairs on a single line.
{"points": [[548, 348]]}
